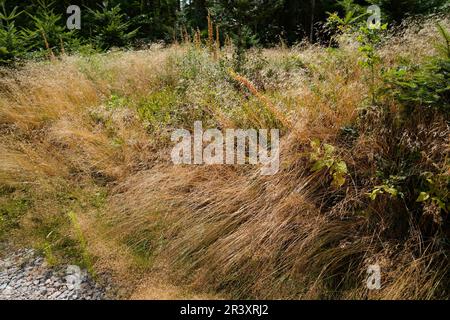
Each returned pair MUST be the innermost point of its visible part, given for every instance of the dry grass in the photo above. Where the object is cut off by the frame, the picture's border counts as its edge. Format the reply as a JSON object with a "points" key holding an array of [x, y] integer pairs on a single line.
{"points": [[224, 231]]}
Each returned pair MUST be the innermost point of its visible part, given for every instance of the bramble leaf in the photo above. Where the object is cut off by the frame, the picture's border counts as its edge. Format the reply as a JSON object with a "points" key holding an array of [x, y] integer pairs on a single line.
{"points": [[423, 196]]}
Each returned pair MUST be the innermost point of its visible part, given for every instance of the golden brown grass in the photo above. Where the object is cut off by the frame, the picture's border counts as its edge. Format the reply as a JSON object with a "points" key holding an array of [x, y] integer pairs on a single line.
{"points": [[220, 231]]}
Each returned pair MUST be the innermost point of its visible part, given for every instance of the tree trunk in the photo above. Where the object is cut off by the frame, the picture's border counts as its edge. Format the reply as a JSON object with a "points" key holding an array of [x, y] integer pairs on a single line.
{"points": [[313, 9]]}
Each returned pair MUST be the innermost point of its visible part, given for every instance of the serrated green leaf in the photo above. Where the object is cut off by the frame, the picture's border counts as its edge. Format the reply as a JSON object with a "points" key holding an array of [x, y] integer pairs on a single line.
{"points": [[439, 202], [318, 165], [315, 144], [328, 163], [373, 195], [338, 180], [391, 190], [329, 149], [340, 167], [423, 196]]}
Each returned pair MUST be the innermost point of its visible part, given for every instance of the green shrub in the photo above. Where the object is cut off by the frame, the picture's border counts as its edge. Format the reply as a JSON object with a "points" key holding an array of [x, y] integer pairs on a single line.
{"points": [[426, 85], [110, 28], [159, 109], [324, 158], [47, 29], [11, 39], [436, 191]]}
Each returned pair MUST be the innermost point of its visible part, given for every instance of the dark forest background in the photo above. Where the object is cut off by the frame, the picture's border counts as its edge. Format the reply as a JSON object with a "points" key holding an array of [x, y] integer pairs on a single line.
{"points": [[31, 26]]}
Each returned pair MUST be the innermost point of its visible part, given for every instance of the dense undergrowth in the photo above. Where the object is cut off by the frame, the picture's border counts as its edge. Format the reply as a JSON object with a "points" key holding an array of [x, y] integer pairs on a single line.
{"points": [[364, 174]]}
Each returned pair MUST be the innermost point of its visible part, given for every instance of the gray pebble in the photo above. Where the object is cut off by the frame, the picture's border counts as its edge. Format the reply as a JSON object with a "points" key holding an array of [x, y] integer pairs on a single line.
{"points": [[25, 276]]}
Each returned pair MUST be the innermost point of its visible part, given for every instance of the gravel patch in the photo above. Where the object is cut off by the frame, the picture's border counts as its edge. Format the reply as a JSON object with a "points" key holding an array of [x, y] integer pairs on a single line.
{"points": [[26, 276]]}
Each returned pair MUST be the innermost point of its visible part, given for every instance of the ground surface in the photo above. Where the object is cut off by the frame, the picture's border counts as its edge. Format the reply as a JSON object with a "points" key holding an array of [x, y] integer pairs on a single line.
{"points": [[26, 276]]}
